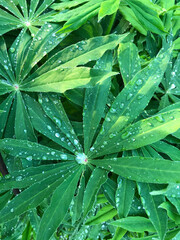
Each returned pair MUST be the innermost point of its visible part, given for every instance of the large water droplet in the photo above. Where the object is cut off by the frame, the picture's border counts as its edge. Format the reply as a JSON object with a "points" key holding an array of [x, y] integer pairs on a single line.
{"points": [[139, 82], [129, 96], [125, 135], [159, 119], [29, 158]]}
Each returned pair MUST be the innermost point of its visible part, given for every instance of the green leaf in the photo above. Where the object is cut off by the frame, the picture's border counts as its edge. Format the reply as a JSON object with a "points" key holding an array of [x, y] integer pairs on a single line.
{"points": [[26, 177], [109, 189], [151, 204], [55, 213], [5, 66], [130, 16], [31, 197], [171, 211], [80, 16], [5, 87], [129, 61], [170, 150], [142, 169], [78, 201], [98, 177], [80, 53], [134, 224], [132, 100], [143, 132], [61, 79], [104, 214], [5, 106], [108, 7], [147, 16], [43, 42], [94, 102], [124, 196], [59, 117], [23, 126], [44, 125], [31, 150]]}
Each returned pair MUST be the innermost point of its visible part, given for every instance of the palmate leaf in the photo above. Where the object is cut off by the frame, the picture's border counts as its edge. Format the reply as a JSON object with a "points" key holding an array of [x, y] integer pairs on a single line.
{"points": [[62, 79], [135, 224], [79, 53], [142, 133], [32, 196], [32, 151], [54, 214], [147, 16], [5, 87], [45, 125], [12, 18], [77, 17], [132, 99], [27, 177], [53, 107], [142, 169]]}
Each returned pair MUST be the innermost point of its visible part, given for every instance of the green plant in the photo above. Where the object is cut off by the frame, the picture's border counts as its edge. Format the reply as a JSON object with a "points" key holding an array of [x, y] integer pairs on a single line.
{"points": [[91, 153]]}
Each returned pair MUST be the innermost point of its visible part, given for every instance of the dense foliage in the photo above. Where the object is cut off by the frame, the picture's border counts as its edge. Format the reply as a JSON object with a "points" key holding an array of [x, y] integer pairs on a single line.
{"points": [[89, 119]]}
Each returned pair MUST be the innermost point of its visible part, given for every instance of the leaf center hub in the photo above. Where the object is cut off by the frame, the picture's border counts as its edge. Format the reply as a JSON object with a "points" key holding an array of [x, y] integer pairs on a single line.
{"points": [[81, 158]]}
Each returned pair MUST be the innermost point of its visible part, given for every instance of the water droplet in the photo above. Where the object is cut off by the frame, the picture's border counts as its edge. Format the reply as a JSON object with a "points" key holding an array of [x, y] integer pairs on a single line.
{"points": [[57, 135], [129, 96], [121, 105], [112, 135], [63, 156], [49, 127], [139, 82], [112, 110], [75, 141], [107, 119], [29, 158], [12, 50], [159, 119], [19, 178], [58, 122], [125, 135], [6, 67], [140, 96]]}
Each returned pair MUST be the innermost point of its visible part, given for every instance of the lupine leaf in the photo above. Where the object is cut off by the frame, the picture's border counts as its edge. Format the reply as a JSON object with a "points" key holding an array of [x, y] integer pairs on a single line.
{"points": [[31, 151], [98, 177], [151, 204], [143, 132], [104, 214], [124, 196], [142, 169], [129, 61], [61, 79], [133, 98], [55, 213], [26, 177], [31, 197], [134, 224]]}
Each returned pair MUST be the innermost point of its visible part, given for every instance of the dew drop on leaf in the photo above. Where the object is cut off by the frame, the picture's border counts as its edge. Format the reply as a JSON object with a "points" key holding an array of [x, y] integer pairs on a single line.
{"points": [[159, 119]]}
